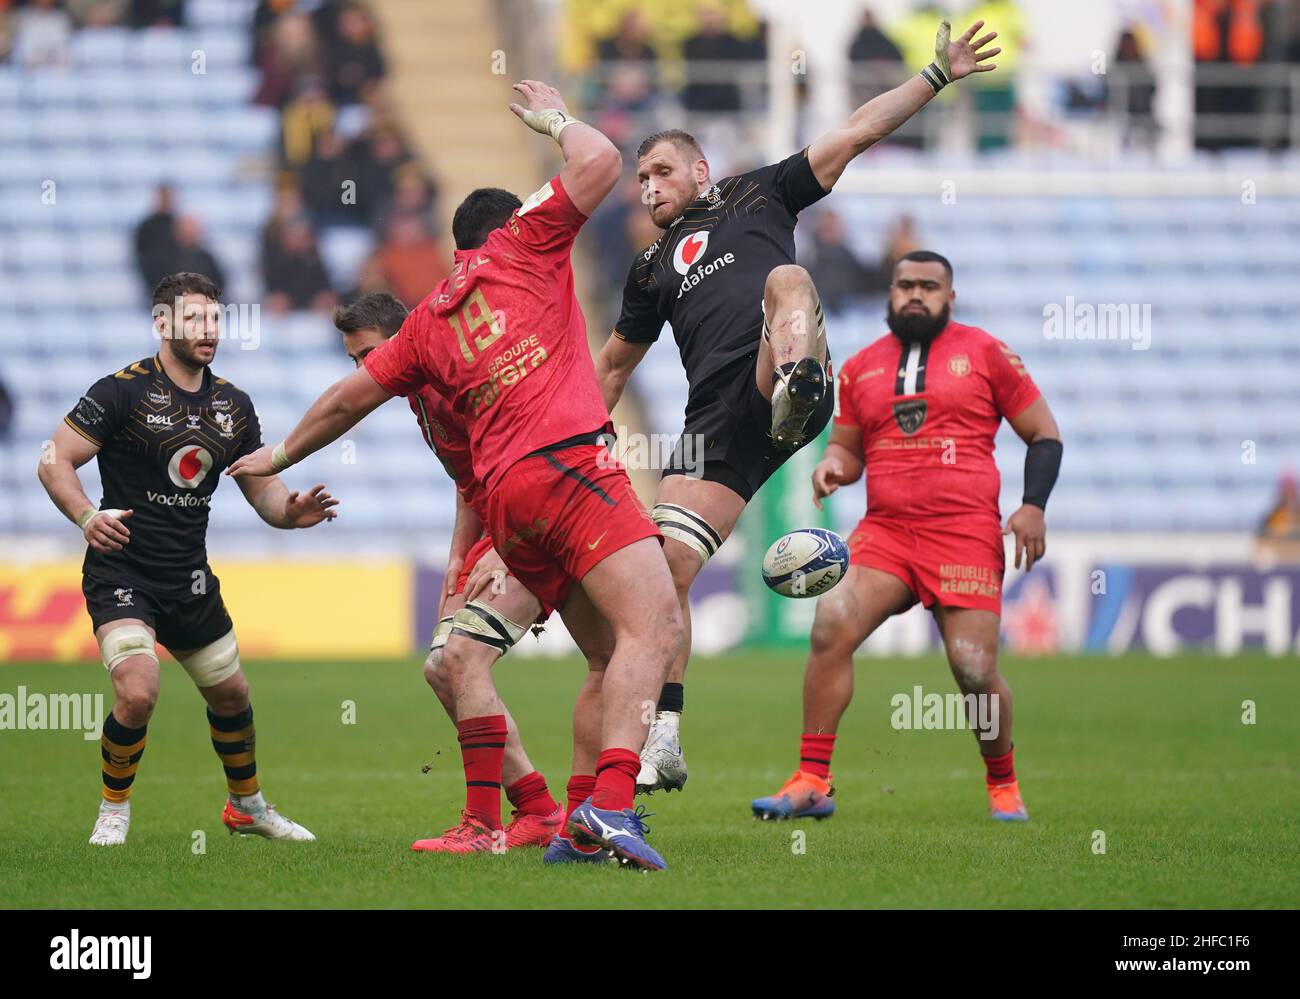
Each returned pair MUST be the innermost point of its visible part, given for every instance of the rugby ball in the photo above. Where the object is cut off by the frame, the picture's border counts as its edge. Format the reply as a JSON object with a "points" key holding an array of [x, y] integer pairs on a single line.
{"points": [[805, 563]]}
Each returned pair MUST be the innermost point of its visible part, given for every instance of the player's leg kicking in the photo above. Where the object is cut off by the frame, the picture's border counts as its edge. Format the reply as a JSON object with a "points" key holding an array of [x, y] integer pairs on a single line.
{"points": [[696, 515], [845, 616], [130, 655]]}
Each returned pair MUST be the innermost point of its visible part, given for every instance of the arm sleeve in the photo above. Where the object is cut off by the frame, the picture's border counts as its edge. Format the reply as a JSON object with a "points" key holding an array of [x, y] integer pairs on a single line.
{"points": [[638, 320], [1013, 389], [395, 364], [547, 221], [252, 437], [794, 183], [100, 413]]}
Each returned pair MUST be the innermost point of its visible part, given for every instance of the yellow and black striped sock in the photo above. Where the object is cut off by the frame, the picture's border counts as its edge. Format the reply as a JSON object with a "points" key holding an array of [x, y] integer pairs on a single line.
{"points": [[121, 749], [233, 740]]}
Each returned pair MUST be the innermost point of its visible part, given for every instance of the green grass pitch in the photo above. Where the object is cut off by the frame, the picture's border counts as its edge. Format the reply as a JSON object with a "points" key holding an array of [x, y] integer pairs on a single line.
{"points": [[1197, 808]]}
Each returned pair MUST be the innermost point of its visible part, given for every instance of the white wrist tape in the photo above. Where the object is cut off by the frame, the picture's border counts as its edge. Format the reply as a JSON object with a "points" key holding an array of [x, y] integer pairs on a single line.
{"points": [[551, 121], [86, 518], [280, 458]]}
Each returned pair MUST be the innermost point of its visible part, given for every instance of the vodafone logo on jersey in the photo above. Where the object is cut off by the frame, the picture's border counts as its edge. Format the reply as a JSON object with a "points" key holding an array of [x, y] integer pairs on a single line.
{"points": [[189, 466], [689, 251]]}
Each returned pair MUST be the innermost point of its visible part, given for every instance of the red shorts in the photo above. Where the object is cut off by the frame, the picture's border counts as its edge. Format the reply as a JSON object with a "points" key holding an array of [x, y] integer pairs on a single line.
{"points": [[480, 548], [553, 516], [953, 562]]}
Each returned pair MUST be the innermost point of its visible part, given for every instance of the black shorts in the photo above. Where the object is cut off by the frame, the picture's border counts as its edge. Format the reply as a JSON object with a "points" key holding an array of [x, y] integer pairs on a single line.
{"points": [[728, 433], [179, 617]]}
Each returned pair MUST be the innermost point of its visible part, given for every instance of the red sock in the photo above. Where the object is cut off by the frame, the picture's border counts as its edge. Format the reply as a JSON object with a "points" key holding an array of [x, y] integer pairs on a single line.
{"points": [[1001, 769], [616, 771], [579, 789], [530, 796], [815, 753], [482, 747]]}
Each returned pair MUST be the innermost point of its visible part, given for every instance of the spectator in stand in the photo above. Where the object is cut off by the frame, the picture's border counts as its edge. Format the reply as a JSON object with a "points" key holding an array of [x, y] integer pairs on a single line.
{"points": [[630, 43], [322, 179], [1140, 86], [876, 60], [189, 254], [375, 157], [842, 279], [308, 115], [1225, 33], [157, 13], [713, 87], [292, 271], [153, 239], [288, 57], [41, 33], [410, 259], [354, 57]]}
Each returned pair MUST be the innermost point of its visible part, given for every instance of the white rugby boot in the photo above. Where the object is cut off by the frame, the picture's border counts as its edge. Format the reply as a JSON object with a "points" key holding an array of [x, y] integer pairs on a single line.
{"points": [[662, 765], [255, 817], [795, 398], [111, 824]]}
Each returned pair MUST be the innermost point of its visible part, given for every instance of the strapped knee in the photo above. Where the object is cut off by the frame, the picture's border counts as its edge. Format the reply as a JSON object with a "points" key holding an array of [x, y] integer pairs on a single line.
{"points": [[440, 633], [688, 527], [483, 623], [122, 643], [213, 663]]}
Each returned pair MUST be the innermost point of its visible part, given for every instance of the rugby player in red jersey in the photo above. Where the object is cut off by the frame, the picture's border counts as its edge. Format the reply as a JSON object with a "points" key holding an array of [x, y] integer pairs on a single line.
{"points": [[458, 666], [749, 326], [504, 340], [918, 410]]}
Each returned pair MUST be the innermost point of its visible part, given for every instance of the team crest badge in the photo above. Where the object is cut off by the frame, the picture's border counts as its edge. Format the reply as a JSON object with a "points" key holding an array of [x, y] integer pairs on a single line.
{"points": [[909, 415], [959, 366]]}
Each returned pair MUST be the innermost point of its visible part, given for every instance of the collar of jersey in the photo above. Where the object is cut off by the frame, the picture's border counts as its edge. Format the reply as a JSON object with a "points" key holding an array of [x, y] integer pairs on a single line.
{"points": [[205, 386]]}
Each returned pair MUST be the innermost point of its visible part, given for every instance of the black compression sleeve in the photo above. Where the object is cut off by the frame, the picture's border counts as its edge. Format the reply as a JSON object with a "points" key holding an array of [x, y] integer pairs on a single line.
{"points": [[1042, 463]]}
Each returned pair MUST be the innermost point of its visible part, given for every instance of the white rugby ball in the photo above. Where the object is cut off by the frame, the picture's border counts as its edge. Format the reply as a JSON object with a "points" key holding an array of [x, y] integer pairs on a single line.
{"points": [[805, 563]]}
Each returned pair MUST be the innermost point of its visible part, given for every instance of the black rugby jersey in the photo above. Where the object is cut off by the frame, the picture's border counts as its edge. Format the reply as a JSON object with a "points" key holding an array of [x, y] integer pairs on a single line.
{"points": [[162, 452], [705, 274]]}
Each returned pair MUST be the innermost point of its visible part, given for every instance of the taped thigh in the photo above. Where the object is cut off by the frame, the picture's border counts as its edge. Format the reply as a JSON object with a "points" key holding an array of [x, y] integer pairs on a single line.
{"points": [[483, 623], [688, 527], [214, 662], [122, 643]]}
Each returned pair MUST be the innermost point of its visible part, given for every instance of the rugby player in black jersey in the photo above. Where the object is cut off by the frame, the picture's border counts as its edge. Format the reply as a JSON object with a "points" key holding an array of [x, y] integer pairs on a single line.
{"points": [[749, 327], [163, 429]]}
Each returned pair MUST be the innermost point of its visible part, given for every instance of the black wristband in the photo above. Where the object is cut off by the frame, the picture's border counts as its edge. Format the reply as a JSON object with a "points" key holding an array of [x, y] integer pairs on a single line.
{"points": [[935, 77], [1042, 464]]}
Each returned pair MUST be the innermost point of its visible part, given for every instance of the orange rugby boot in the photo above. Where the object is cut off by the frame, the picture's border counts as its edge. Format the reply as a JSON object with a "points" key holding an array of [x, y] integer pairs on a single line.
{"points": [[1005, 803], [470, 835]]}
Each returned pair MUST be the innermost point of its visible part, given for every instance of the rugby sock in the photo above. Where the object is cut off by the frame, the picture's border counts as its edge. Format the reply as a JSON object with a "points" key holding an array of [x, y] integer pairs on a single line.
{"points": [[233, 739], [482, 748], [616, 771], [815, 750], [578, 790], [530, 796], [121, 749], [672, 697], [1001, 769]]}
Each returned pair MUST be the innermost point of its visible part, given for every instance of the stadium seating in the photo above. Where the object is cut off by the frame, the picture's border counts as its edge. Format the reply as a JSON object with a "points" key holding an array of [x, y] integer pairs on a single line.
{"points": [[1155, 437]]}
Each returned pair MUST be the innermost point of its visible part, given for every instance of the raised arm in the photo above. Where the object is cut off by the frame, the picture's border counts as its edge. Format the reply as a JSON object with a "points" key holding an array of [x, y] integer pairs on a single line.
{"points": [[591, 162], [342, 406], [881, 115], [614, 365]]}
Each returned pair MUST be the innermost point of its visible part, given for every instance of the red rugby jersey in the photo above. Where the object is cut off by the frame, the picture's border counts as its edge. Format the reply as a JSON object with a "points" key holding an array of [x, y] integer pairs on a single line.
{"points": [[928, 415], [444, 432], [504, 340]]}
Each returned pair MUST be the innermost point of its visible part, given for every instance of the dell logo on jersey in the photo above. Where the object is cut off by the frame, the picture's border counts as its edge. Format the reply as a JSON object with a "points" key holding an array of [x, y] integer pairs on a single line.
{"points": [[689, 250], [188, 466], [717, 263], [162, 421]]}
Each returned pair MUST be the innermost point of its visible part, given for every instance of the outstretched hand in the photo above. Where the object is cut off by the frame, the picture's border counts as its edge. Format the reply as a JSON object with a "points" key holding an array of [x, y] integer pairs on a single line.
{"points": [[964, 56], [310, 508]]}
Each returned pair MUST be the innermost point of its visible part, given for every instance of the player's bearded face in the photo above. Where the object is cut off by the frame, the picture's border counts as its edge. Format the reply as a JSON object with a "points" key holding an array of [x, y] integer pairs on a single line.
{"points": [[192, 328], [668, 183], [917, 324]]}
